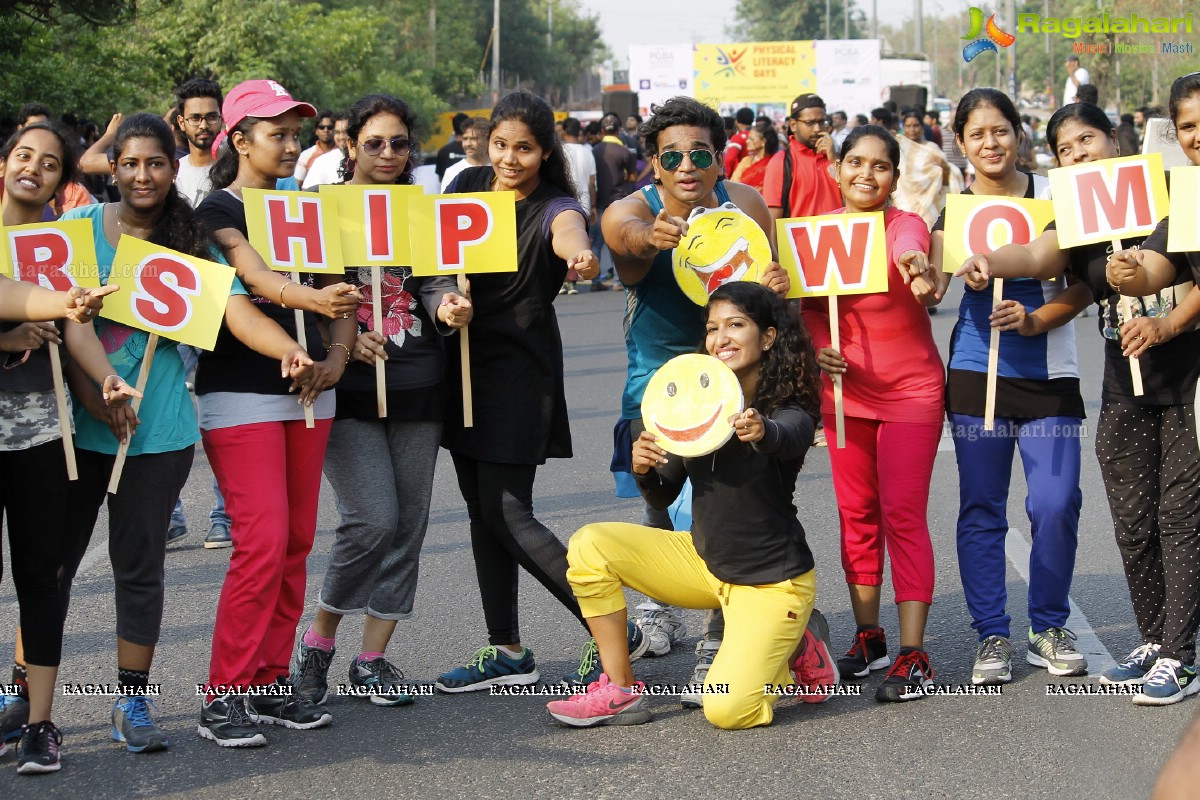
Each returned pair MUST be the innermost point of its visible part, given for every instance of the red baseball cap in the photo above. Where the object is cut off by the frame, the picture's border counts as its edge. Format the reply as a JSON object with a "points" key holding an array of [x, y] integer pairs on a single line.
{"points": [[260, 98]]}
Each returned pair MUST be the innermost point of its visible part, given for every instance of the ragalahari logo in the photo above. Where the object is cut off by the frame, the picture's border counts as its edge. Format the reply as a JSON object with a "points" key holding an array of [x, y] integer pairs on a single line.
{"points": [[978, 43]]}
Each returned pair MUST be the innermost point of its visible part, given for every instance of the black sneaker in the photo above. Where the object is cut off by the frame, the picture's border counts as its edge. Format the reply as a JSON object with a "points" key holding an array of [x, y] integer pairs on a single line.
{"points": [[382, 679], [869, 652], [37, 751], [907, 679], [289, 709], [226, 721], [310, 671]]}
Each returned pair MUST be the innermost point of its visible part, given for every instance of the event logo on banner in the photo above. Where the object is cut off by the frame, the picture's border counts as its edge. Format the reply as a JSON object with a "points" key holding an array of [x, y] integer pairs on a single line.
{"points": [[373, 223], [294, 231], [754, 72], [982, 224], [54, 255], [469, 232], [1099, 201], [834, 254], [168, 293]]}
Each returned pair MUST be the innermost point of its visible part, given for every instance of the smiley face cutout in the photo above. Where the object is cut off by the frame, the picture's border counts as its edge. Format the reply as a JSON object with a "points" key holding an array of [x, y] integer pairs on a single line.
{"points": [[722, 244], [688, 404]]}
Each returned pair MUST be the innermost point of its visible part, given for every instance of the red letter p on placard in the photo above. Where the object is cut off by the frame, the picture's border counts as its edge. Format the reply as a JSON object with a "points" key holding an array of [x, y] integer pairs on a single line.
{"points": [[460, 224], [163, 288], [41, 256], [285, 229]]}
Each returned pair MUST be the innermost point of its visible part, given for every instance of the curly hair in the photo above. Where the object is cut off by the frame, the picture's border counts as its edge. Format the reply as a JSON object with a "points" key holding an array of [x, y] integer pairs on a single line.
{"points": [[681, 111], [526, 107], [368, 107], [69, 155], [176, 227], [788, 373]]}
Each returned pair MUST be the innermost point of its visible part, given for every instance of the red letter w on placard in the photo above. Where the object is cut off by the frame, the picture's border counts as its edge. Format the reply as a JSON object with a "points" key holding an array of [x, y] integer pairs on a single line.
{"points": [[41, 256], [841, 246], [459, 224], [1114, 204], [163, 288], [285, 229]]}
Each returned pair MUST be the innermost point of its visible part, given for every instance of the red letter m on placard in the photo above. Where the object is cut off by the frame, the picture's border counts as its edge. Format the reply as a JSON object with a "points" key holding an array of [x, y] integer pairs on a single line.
{"points": [[41, 256], [841, 246], [284, 229], [1115, 205]]}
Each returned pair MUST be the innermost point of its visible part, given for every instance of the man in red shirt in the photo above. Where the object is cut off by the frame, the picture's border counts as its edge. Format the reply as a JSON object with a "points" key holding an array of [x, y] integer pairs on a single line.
{"points": [[735, 148], [802, 174]]}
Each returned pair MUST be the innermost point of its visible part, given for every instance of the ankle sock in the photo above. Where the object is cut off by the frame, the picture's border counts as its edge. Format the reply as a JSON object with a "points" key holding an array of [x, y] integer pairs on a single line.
{"points": [[865, 628], [320, 642], [20, 679], [365, 656], [511, 653], [906, 650], [133, 681]]}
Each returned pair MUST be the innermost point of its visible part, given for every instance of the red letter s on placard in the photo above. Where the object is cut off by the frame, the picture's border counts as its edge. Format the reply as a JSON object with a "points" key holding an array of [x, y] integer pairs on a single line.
{"points": [[163, 288], [459, 224], [40, 257]]}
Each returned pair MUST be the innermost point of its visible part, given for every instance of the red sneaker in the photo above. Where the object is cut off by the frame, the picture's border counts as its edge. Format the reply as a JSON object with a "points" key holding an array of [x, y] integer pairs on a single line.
{"points": [[604, 703], [815, 669]]}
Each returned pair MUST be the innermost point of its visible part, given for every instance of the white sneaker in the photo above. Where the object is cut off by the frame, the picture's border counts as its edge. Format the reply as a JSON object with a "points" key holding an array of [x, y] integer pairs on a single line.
{"points": [[661, 626], [706, 651]]}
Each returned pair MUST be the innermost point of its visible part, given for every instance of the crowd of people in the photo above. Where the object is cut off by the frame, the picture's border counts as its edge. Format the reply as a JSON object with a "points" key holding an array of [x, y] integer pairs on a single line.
{"points": [[624, 202]]}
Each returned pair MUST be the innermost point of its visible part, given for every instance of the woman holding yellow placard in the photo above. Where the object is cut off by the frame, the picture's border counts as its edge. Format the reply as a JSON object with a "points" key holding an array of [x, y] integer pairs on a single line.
{"points": [[1038, 410], [519, 396], [381, 462], [893, 411], [1145, 443], [37, 494]]}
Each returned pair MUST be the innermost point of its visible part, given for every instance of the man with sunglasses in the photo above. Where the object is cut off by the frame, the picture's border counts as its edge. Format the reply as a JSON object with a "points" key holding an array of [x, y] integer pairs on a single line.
{"points": [[327, 167], [799, 180], [324, 143]]}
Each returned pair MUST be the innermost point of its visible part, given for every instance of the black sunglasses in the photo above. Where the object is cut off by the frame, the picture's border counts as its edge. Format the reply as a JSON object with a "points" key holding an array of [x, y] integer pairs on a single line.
{"points": [[324, 127], [399, 145], [671, 160]]}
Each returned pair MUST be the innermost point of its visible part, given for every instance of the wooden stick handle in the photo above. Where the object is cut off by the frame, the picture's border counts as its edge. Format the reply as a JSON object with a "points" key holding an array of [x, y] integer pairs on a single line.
{"points": [[64, 411], [989, 405], [465, 361], [302, 340], [839, 410], [1135, 365], [136, 403], [377, 326]]}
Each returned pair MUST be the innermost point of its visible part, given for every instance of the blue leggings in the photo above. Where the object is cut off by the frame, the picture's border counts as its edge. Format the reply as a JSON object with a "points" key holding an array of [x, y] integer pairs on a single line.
{"points": [[1050, 453]]}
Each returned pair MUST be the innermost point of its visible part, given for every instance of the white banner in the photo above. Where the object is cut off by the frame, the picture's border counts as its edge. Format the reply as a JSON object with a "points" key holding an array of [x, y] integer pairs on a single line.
{"points": [[848, 75], [658, 72]]}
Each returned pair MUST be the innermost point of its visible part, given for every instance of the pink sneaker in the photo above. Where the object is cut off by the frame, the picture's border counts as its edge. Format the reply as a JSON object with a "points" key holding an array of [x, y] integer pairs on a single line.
{"points": [[604, 703], [814, 666]]}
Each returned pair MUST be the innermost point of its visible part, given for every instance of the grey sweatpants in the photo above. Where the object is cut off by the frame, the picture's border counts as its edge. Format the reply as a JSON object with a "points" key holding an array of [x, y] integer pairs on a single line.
{"points": [[382, 473]]}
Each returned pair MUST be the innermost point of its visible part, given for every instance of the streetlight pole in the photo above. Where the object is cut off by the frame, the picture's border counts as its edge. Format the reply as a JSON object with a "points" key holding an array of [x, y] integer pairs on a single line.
{"points": [[496, 51]]}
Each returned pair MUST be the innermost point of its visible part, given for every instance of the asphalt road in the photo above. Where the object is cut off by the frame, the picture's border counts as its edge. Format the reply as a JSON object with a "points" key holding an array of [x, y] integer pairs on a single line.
{"points": [[1021, 744]]}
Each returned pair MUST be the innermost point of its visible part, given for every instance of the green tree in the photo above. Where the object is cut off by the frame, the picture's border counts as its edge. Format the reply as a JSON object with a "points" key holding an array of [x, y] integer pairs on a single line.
{"points": [[786, 20]]}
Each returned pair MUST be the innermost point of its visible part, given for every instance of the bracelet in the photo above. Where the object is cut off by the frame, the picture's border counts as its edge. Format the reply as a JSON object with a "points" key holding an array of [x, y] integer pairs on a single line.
{"points": [[281, 288], [344, 347]]}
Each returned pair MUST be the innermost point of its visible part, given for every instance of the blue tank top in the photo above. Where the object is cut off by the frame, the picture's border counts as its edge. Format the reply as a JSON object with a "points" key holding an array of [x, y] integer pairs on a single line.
{"points": [[660, 321]]}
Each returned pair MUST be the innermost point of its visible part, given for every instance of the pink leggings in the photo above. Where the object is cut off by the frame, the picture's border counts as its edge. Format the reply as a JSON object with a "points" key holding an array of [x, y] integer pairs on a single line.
{"points": [[270, 474], [882, 481]]}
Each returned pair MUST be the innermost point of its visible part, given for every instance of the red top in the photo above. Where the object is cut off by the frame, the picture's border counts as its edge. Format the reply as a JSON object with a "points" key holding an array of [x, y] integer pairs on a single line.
{"points": [[735, 148], [814, 190], [893, 369]]}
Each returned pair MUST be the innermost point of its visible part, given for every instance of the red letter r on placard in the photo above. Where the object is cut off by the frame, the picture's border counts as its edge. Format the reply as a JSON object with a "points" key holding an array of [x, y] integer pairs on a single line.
{"points": [[40, 256]]}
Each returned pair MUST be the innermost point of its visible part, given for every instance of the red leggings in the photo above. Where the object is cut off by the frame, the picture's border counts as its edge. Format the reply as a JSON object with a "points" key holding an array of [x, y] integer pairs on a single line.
{"points": [[270, 474], [882, 481]]}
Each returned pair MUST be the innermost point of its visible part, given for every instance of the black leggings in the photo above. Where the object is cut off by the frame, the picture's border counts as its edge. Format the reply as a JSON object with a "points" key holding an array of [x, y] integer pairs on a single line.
{"points": [[1150, 462], [36, 497], [504, 533]]}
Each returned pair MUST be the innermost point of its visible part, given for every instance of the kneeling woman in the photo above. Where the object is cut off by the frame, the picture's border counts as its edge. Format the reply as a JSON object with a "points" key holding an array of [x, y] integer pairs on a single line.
{"points": [[747, 552]]}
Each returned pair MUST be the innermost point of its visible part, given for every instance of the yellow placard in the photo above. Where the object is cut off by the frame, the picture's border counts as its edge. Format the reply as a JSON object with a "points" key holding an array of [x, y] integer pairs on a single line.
{"points": [[722, 244], [177, 296], [1183, 235], [373, 223], [1099, 201], [294, 231], [754, 72], [982, 224], [834, 254], [55, 255], [470, 232]]}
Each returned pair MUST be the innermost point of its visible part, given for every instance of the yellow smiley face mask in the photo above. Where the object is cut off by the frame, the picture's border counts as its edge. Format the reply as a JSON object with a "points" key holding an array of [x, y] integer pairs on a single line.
{"points": [[722, 244], [688, 404]]}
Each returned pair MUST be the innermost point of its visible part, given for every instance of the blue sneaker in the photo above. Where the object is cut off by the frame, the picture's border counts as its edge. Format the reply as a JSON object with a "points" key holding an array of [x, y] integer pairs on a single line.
{"points": [[490, 666], [590, 668], [1135, 666], [1167, 682], [14, 713], [133, 723]]}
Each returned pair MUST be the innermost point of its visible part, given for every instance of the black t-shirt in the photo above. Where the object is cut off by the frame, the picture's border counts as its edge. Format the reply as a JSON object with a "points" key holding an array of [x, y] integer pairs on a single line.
{"points": [[231, 366], [1169, 371], [451, 152], [618, 162]]}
